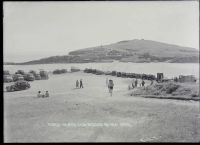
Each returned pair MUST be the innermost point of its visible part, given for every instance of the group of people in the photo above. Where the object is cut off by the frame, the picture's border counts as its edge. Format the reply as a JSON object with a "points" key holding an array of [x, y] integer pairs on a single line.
{"points": [[110, 86], [135, 84], [41, 95], [79, 85]]}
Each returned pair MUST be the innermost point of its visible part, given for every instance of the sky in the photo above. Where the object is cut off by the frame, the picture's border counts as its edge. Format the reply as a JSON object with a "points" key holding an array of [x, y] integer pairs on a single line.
{"points": [[34, 30]]}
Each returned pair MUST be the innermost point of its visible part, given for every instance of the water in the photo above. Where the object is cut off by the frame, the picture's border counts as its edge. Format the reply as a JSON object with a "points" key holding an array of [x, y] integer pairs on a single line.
{"points": [[169, 69]]}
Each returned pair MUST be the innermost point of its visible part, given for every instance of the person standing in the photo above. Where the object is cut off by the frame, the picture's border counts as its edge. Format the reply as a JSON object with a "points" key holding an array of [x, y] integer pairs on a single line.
{"points": [[81, 83], [143, 83], [110, 86], [77, 84], [151, 82], [136, 82]]}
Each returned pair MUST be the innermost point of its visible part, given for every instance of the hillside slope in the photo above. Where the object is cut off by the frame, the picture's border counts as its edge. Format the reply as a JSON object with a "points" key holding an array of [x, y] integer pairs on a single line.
{"points": [[128, 51]]}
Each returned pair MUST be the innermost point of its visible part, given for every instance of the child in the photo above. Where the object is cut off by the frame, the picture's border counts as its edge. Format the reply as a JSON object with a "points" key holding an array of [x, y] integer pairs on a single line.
{"points": [[110, 86], [39, 94], [47, 94]]}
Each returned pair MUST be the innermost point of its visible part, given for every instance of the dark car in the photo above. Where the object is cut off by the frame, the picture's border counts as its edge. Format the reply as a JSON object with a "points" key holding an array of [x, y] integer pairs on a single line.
{"points": [[7, 78], [37, 77], [93, 71], [108, 73], [44, 75], [114, 73], [74, 69], [29, 77], [6, 72], [20, 72], [18, 86], [17, 77], [99, 72], [88, 70], [119, 74], [60, 71], [33, 72], [123, 74]]}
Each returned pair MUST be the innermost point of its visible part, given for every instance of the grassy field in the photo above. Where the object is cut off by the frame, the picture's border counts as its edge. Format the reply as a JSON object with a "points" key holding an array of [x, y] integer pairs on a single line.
{"points": [[91, 114]]}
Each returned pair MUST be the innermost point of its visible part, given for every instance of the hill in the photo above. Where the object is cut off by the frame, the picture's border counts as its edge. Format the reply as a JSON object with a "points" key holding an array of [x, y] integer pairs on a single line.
{"points": [[128, 51]]}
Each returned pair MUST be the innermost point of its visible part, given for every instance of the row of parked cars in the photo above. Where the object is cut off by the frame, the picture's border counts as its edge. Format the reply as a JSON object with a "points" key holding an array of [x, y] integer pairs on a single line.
{"points": [[62, 71], [21, 79], [21, 75], [121, 74]]}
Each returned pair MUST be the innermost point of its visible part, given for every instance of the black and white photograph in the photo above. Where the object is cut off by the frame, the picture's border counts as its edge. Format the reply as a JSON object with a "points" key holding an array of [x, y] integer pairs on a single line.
{"points": [[101, 71]]}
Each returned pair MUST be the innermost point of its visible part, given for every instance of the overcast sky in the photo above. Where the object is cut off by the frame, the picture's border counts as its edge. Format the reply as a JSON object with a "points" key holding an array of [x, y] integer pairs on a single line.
{"points": [[33, 30]]}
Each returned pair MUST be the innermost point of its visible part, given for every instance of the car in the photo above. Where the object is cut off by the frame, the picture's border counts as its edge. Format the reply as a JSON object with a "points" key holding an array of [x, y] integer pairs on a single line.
{"points": [[61, 71], [29, 77], [44, 75], [17, 77], [7, 78], [123, 74], [33, 72], [114, 73], [108, 73], [37, 77], [99, 72], [18, 86], [20, 72], [119, 74], [74, 69], [6, 72]]}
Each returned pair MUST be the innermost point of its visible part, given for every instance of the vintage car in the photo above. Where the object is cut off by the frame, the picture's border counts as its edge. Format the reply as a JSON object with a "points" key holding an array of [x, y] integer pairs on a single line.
{"points": [[6, 72], [18, 86], [108, 73], [74, 69], [44, 75], [119, 74], [17, 77], [7, 78], [60, 71], [123, 74], [93, 71], [29, 77], [114, 73], [20, 72], [99, 72], [32, 72], [88, 70], [37, 77]]}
